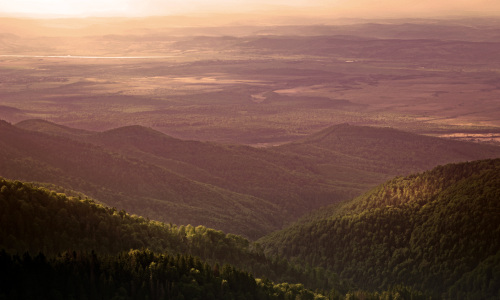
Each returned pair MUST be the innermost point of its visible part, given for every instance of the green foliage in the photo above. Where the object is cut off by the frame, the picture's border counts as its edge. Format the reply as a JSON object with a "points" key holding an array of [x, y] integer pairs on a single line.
{"points": [[432, 231], [423, 231], [143, 274], [34, 219], [482, 282], [137, 274]]}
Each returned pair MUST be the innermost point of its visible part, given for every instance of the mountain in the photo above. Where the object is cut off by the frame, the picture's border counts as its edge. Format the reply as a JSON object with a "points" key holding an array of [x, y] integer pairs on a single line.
{"points": [[365, 46], [52, 128], [384, 150], [241, 169], [187, 182], [235, 188], [129, 183], [435, 231], [39, 220], [103, 264], [57, 247], [137, 274]]}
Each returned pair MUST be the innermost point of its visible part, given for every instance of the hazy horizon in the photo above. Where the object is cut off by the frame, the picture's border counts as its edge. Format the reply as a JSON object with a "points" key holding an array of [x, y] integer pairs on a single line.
{"points": [[294, 8]]}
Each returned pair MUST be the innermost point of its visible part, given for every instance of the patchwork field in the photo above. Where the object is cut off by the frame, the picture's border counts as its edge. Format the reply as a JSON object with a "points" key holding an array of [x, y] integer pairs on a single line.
{"points": [[256, 89]]}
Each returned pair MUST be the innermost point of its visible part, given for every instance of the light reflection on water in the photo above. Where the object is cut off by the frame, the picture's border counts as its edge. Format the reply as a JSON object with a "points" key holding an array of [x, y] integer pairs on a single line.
{"points": [[88, 57]]}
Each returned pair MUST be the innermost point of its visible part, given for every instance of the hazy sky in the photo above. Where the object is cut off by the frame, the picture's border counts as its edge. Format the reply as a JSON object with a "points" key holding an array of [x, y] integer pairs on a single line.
{"points": [[345, 8]]}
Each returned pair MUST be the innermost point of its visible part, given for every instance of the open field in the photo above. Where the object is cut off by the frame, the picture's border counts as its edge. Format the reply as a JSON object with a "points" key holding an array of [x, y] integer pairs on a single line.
{"points": [[256, 89]]}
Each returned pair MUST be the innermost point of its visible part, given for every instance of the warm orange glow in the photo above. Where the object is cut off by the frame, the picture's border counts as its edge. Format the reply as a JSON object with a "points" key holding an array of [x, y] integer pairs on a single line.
{"points": [[336, 8]]}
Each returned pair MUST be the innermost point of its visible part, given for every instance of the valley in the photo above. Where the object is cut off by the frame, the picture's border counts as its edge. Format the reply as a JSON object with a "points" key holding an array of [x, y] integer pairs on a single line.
{"points": [[235, 188], [257, 85], [178, 158], [412, 229]]}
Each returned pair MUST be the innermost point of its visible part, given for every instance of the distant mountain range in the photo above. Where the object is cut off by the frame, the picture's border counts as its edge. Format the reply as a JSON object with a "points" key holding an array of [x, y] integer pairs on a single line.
{"points": [[238, 189]]}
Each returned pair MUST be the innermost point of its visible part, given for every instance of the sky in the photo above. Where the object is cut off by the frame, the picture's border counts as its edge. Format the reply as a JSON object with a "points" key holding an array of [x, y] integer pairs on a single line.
{"points": [[337, 8]]}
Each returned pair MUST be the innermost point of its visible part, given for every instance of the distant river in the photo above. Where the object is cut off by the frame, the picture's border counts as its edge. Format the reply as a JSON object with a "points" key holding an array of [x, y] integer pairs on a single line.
{"points": [[87, 57]]}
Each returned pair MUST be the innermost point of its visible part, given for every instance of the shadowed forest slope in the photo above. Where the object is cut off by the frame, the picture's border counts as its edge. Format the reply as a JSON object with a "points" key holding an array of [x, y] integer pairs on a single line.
{"points": [[38, 220], [53, 246]]}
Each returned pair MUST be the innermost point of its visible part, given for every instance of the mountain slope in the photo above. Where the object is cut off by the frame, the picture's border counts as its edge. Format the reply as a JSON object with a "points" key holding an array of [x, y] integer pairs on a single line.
{"points": [[84, 249], [129, 183], [371, 150], [343, 155], [241, 169], [275, 177], [35, 219], [187, 262], [52, 128], [239, 189], [434, 231]]}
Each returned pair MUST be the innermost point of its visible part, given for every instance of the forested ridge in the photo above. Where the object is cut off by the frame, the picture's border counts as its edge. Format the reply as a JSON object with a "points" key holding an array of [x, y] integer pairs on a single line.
{"points": [[435, 232], [371, 150], [34, 219], [438, 231], [130, 183], [142, 274], [235, 188], [136, 274], [60, 247]]}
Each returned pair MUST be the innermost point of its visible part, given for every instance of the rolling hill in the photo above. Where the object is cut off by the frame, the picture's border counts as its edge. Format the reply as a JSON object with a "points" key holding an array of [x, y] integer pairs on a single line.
{"points": [[435, 231], [238, 189], [53, 246], [128, 183], [36, 219], [370, 48], [383, 150]]}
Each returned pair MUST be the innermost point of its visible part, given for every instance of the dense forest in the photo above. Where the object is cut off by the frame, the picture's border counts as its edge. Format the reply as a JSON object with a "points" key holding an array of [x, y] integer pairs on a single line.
{"points": [[60, 247], [27, 224], [137, 274], [142, 274], [437, 231]]}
